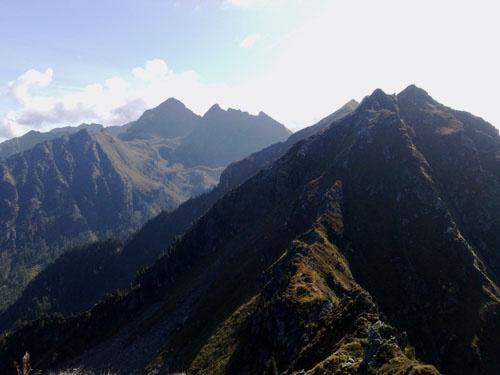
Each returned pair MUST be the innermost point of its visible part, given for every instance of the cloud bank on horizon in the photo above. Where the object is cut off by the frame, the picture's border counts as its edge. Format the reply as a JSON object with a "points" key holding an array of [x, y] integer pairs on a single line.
{"points": [[114, 102], [297, 73]]}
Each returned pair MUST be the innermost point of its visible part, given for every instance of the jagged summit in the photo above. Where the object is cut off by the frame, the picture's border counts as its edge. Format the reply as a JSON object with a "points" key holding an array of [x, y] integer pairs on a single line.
{"points": [[353, 104], [416, 97], [264, 115], [214, 139], [378, 100], [214, 109], [215, 112], [227, 135], [412, 95], [171, 105], [169, 108], [170, 119], [417, 94], [172, 102]]}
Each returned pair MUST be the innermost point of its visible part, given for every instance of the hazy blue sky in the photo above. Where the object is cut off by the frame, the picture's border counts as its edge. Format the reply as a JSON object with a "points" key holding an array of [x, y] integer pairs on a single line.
{"points": [[68, 62]]}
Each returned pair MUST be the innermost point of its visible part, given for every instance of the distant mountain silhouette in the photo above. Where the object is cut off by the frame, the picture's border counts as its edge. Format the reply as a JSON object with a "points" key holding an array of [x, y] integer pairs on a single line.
{"points": [[214, 140], [171, 119], [225, 136]]}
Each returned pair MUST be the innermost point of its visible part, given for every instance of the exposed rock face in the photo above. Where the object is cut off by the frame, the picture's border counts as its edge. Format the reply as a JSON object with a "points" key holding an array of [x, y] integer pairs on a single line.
{"points": [[359, 241]]}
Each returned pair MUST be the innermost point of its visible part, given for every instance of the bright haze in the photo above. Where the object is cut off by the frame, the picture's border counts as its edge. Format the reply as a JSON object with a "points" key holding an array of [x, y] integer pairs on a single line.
{"points": [[68, 62]]}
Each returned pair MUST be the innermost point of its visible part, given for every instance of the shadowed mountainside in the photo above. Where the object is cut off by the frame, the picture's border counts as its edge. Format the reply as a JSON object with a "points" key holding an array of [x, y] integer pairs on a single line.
{"points": [[77, 188], [373, 236]]}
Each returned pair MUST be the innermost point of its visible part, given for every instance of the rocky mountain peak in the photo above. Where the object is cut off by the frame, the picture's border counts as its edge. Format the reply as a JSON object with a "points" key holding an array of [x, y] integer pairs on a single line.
{"points": [[213, 111], [170, 119], [228, 135], [378, 100], [415, 96], [415, 91], [351, 104], [83, 135], [169, 107], [264, 115], [174, 101]]}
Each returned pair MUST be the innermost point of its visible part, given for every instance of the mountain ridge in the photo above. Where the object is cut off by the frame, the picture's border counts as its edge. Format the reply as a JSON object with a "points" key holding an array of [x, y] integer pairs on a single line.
{"points": [[320, 263], [33, 137], [121, 273]]}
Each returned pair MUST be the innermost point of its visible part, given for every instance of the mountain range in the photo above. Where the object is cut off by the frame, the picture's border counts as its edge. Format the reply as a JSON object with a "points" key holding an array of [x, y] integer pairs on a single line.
{"points": [[212, 140], [110, 265], [80, 184], [369, 246]]}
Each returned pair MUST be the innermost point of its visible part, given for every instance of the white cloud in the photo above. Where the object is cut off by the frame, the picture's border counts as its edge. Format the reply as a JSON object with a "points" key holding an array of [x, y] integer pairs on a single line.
{"points": [[39, 108], [119, 100], [115, 102], [336, 55], [154, 70], [250, 40], [6, 130], [116, 84], [20, 87]]}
